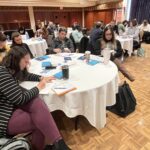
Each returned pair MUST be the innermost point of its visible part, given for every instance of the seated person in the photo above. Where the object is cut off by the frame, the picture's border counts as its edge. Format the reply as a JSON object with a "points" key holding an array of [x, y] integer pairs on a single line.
{"points": [[113, 25], [108, 41], [23, 110], [133, 31], [95, 34], [112, 44], [83, 46], [3, 47], [77, 36], [22, 30], [61, 44], [121, 28], [17, 41], [144, 30]]}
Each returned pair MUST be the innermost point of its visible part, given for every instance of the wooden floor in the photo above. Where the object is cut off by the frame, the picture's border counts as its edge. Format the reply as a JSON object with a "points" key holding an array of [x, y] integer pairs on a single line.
{"points": [[131, 133]]}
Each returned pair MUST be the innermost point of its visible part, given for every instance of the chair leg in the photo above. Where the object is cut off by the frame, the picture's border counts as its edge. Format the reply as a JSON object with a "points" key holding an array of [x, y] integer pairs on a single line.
{"points": [[76, 122]]}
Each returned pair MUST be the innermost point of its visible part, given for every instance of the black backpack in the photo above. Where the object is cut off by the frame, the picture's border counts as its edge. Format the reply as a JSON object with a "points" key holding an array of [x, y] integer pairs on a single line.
{"points": [[125, 101]]}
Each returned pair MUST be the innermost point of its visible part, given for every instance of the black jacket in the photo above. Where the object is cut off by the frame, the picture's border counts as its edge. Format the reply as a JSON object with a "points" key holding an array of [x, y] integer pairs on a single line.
{"points": [[59, 44], [97, 49]]}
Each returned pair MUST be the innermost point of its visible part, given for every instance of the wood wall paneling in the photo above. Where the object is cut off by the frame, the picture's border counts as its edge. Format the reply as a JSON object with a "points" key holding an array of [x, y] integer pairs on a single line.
{"points": [[63, 18], [13, 20], [93, 16], [75, 17], [108, 16], [89, 19], [99, 16]]}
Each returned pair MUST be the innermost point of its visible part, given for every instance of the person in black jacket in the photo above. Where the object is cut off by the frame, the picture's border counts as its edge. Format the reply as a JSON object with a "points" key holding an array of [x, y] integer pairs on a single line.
{"points": [[17, 41], [61, 44], [95, 34], [22, 110], [108, 41]]}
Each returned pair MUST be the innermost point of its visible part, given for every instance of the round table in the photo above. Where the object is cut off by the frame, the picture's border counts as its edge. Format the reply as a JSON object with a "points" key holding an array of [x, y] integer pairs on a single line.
{"points": [[126, 43], [96, 88], [37, 46]]}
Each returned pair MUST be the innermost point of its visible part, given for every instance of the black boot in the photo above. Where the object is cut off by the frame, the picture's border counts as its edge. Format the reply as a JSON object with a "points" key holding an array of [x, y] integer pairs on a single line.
{"points": [[60, 145], [48, 147]]}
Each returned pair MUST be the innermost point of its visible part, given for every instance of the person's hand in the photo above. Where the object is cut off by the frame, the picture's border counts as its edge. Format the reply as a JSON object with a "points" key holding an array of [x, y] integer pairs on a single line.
{"points": [[57, 50], [67, 50], [48, 79], [41, 84]]}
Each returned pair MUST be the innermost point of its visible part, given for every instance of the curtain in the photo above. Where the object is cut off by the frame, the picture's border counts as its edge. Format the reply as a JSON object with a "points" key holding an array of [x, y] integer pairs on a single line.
{"points": [[140, 9]]}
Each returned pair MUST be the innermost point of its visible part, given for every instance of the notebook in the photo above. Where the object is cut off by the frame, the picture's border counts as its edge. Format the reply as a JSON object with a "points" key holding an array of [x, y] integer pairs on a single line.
{"points": [[42, 58], [67, 58], [58, 75], [46, 64], [63, 88]]}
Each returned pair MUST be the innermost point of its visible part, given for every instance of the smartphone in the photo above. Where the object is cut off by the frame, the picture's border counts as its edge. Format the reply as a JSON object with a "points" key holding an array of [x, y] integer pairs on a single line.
{"points": [[67, 58], [50, 67]]}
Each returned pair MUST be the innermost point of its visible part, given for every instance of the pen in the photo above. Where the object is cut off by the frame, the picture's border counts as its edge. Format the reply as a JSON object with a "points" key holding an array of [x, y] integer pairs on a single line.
{"points": [[60, 88]]}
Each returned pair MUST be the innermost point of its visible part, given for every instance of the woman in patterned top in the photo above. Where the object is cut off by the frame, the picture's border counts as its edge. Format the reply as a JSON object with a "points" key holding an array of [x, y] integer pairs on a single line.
{"points": [[23, 110]]}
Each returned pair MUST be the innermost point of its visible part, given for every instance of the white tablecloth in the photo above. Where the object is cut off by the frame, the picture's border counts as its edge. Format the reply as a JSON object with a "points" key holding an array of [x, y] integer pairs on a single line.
{"points": [[37, 47], [126, 43], [96, 89]]}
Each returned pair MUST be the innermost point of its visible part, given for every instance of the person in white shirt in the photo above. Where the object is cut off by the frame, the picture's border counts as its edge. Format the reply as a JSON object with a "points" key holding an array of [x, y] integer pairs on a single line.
{"points": [[133, 31], [144, 30], [77, 36]]}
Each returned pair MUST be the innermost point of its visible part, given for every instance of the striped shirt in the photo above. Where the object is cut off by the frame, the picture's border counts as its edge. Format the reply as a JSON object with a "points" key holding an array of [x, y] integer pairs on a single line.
{"points": [[12, 95]]}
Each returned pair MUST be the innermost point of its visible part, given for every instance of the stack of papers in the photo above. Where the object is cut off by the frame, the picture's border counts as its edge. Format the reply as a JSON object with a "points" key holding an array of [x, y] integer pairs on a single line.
{"points": [[62, 88]]}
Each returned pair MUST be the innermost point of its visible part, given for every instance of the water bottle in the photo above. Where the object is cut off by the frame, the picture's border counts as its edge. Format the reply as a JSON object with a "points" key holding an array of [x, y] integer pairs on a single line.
{"points": [[65, 71], [8, 38], [27, 35]]}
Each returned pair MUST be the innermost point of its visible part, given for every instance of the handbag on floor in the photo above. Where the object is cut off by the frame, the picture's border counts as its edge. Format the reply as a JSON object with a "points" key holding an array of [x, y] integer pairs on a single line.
{"points": [[19, 143], [125, 101], [140, 52]]}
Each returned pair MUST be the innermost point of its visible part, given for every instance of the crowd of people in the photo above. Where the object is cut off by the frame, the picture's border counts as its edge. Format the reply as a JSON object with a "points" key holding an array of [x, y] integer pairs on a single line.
{"points": [[19, 111]]}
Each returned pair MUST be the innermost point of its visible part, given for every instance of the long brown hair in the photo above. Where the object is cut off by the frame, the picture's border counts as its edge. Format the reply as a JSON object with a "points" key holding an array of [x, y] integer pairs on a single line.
{"points": [[104, 41], [112, 32], [12, 62]]}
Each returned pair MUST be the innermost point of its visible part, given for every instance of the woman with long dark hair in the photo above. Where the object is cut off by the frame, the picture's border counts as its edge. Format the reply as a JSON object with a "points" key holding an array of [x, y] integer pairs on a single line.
{"points": [[23, 110], [17, 41], [108, 41]]}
